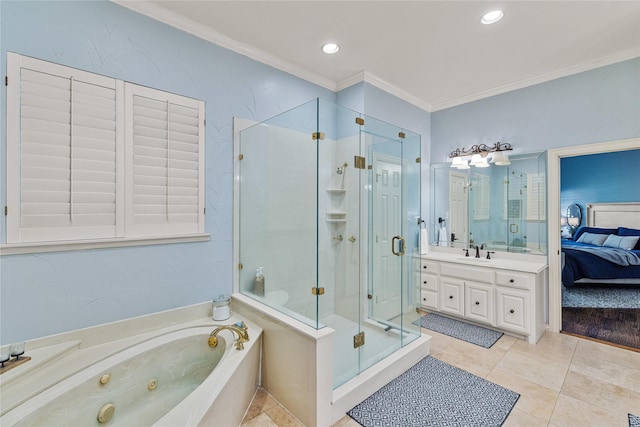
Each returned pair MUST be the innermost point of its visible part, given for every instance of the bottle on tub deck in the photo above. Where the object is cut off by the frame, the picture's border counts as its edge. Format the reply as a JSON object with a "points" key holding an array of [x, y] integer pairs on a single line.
{"points": [[258, 283]]}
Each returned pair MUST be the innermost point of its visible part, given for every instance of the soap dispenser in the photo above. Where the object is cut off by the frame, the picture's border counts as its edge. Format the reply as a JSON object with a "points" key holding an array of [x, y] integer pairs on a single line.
{"points": [[258, 283]]}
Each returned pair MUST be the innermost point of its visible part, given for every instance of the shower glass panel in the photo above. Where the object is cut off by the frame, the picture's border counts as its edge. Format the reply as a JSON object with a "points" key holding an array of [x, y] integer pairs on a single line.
{"points": [[328, 206]]}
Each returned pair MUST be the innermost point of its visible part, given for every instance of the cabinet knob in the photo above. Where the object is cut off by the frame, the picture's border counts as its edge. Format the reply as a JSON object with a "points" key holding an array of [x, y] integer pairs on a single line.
{"points": [[511, 280], [477, 302], [512, 311], [424, 266], [424, 299], [450, 296], [425, 282]]}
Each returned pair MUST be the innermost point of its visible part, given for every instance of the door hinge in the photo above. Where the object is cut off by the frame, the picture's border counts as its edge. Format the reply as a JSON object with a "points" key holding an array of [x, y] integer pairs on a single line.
{"points": [[418, 160], [358, 340], [6, 211], [240, 266], [6, 80], [204, 211], [360, 121], [317, 135], [401, 135], [369, 296], [359, 162], [241, 156], [317, 291]]}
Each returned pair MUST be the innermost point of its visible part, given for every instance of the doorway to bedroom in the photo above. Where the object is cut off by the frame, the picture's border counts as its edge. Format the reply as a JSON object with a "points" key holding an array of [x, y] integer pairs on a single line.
{"points": [[600, 300]]}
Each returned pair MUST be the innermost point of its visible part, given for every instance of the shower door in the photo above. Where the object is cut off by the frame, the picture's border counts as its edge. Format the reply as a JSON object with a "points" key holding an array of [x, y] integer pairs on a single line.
{"points": [[392, 202]]}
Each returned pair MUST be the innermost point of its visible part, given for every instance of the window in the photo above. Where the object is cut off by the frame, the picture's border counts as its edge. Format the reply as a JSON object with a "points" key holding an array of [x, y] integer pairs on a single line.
{"points": [[536, 197], [481, 190], [91, 157]]}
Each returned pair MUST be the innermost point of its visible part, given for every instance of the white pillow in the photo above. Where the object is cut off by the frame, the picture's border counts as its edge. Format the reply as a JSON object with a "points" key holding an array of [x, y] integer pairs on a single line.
{"points": [[592, 238], [622, 242]]}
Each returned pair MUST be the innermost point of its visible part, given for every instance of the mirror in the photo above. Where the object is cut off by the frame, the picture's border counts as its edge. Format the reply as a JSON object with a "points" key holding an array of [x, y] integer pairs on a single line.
{"points": [[574, 218], [499, 208]]}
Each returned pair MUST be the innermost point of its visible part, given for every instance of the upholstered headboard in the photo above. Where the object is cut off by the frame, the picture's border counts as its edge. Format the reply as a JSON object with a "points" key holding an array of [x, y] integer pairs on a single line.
{"points": [[613, 215]]}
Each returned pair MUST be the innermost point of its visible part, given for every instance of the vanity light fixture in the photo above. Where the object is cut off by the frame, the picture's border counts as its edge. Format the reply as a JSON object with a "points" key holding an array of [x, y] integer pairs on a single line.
{"points": [[479, 154], [330, 48], [492, 17]]}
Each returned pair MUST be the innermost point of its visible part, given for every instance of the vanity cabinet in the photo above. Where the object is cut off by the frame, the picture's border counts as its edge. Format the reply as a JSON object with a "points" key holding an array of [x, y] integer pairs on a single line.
{"points": [[426, 274], [504, 294]]}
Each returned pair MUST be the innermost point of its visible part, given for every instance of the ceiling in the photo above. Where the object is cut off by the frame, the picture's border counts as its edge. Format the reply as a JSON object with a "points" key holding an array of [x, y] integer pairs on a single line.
{"points": [[434, 54]]}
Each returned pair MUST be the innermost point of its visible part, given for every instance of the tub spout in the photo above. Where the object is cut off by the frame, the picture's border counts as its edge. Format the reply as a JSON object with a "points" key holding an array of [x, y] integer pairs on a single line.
{"points": [[239, 328]]}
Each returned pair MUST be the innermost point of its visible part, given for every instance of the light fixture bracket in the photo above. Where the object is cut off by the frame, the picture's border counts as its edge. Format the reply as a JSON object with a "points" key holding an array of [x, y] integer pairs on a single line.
{"points": [[482, 149]]}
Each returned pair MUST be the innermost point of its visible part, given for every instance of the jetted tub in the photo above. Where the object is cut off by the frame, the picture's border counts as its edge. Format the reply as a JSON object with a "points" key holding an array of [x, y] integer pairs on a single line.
{"points": [[173, 379]]}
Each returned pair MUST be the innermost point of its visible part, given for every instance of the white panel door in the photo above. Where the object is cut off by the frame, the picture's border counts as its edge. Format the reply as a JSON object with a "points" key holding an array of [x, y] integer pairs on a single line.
{"points": [[387, 211]]}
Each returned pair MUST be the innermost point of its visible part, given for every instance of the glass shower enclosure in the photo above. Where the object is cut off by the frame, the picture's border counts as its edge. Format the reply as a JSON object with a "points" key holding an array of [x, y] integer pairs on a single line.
{"points": [[329, 201]]}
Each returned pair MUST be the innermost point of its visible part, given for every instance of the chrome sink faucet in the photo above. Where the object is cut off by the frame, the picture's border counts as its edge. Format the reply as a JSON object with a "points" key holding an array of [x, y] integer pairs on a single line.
{"points": [[239, 328]]}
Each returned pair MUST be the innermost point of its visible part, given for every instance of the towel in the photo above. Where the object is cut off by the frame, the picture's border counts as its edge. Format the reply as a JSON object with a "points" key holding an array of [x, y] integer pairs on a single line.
{"points": [[424, 242], [442, 238]]}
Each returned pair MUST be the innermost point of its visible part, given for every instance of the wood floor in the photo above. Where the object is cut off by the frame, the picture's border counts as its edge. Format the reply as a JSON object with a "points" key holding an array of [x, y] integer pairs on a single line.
{"points": [[620, 326]]}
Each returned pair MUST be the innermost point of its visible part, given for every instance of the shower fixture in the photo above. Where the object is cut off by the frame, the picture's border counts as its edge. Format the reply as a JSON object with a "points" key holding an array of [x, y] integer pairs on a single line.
{"points": [[342, 168], [338, 238]]}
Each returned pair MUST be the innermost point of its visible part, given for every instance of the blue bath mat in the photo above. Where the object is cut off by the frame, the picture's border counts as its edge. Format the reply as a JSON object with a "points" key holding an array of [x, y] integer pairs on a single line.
{"points": [[434, 393], [634, 420], [464, 331]]}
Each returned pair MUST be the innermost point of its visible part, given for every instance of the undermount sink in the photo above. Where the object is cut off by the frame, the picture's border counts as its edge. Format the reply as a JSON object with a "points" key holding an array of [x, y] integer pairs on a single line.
{"points": [[472, 259]]}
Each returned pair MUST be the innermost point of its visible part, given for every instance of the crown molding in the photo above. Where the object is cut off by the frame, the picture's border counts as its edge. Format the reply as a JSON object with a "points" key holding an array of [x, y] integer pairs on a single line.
{"points": [[158, 13], [365, 76], [542, 78]]}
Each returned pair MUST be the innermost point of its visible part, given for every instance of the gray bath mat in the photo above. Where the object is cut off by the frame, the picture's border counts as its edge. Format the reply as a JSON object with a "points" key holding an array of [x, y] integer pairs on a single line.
{"points": [[434, 393], [464, 331], [634, 420]]}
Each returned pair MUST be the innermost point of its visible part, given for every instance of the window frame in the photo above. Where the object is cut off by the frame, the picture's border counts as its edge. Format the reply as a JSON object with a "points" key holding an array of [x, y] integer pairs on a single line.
{"points": [[16, 240]]}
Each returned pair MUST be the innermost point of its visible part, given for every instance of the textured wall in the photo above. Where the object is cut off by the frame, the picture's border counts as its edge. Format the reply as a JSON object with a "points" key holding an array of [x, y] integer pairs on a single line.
{"points": [[599, 178], [43, 294], [593, 106]]}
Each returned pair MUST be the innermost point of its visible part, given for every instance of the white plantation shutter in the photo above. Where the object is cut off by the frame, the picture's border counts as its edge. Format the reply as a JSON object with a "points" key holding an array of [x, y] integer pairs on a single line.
{"points": [[165, 139], [90, 157], [65, 154]]}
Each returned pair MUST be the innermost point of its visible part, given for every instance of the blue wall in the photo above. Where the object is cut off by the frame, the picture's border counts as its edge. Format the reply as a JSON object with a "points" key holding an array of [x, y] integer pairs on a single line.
{"points": [[599, 178], [593, 106], [43, 294]]}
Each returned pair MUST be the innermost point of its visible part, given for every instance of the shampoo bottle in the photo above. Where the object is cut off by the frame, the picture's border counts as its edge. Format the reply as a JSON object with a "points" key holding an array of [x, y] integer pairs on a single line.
{"points": [[258, 283]]}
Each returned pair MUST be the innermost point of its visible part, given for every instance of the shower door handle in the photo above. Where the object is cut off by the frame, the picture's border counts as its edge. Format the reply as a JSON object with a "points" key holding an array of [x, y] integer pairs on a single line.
{"points": [[393, 245]]}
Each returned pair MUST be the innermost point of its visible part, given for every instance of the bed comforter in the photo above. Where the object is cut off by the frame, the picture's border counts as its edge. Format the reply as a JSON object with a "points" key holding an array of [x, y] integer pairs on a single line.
{"points": [[583, 261]]}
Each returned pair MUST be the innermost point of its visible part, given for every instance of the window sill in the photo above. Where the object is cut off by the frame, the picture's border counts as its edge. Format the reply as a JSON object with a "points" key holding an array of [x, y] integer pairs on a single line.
{"points": [[40, 247]]}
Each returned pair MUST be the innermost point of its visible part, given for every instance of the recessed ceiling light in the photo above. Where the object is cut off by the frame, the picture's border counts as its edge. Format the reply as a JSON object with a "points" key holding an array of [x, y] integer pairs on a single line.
{"points": [[330, 48], [492, 17]]}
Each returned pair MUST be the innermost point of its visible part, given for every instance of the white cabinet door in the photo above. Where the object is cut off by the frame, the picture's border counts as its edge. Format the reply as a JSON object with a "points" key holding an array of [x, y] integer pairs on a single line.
{"points": [[451, 296], [512, 310], [478, 301]]}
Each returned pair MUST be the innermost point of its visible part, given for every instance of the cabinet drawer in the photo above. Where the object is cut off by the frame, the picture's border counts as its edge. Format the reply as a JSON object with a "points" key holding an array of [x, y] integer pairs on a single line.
{"points": [[429, 281], [477, 274], [428, 267], [429, 299], [513, 279]]}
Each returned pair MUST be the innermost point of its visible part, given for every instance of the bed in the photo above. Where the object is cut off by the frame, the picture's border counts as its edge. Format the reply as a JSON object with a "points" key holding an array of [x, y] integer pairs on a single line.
{"points": [[607, 249]]}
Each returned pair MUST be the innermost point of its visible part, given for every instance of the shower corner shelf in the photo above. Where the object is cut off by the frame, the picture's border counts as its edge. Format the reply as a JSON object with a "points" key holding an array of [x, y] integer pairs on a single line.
{"points": [[336, 216], [336, 190]]}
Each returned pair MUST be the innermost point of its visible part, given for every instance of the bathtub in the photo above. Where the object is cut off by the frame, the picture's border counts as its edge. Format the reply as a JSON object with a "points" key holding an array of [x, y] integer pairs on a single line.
{"points": [[169, 380]]}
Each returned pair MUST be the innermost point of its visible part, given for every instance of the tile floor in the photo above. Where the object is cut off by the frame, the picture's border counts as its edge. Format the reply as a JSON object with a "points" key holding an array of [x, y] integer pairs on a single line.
{"points": [[563, 381]]}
